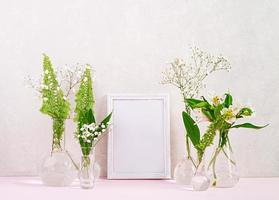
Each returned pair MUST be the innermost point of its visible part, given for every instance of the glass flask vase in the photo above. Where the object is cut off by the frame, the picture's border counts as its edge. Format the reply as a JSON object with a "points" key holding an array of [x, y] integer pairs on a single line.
{"points": [[222, 167], [183, 172], [201, 180], [57, 169], [87, 171]]}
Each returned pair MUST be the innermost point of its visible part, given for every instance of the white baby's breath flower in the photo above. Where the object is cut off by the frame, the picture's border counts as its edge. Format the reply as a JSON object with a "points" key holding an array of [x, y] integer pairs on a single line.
{"points": [[45, 99], [103, 126], [46, 72]]}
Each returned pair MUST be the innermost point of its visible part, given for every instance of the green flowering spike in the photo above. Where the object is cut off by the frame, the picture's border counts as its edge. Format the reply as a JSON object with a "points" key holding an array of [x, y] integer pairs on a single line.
{"points": [[206, 140], [84, 98], [54, 103]]}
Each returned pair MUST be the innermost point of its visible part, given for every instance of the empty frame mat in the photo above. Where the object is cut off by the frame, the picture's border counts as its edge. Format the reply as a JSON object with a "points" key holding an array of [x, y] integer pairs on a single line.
{"points": [[138, 146]]}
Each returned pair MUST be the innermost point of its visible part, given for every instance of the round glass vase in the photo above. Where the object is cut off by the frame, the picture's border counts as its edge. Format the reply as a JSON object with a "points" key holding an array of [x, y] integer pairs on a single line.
{"points": [[222, 167], [200, 180], [57, 169], [183, 172], [87, 171]]}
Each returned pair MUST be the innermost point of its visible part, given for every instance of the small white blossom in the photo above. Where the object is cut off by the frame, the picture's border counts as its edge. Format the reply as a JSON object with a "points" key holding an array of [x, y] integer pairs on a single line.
{"points": [[46, 72]]}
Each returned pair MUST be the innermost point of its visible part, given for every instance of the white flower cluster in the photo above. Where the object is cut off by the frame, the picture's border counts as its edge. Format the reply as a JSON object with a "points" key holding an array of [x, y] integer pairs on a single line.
{"points": [[91, 133], [189, 76]]}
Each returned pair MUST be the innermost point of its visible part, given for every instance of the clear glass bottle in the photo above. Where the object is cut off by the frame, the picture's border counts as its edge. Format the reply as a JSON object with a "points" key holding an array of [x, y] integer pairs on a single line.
{"points": [[183, 172], [97, 170], [87, 172], [222, 167], [200, 180], [57, 168]]}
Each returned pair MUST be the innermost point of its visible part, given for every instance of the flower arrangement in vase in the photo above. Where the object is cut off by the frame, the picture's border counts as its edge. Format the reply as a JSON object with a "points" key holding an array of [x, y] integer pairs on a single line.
{"points": [[222, 116], [189, 77], [57, 168], [89, 132]]}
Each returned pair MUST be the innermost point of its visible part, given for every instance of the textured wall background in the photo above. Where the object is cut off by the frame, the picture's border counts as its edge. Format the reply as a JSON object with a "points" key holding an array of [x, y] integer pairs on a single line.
{"points": [[129, 43]]}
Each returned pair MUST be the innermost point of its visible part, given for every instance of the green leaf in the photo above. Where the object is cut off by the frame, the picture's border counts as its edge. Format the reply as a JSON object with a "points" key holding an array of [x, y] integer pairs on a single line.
{"points": [[107, 119], [228, 100], [90, 117], [244, 112], [208, 114], [249, 125], [217, 110], [193, 131], [192, 102], [202, 104]]}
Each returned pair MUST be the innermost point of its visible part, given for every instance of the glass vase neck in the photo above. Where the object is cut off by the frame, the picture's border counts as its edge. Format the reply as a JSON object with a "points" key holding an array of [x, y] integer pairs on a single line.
{"points": [[58, 127]]}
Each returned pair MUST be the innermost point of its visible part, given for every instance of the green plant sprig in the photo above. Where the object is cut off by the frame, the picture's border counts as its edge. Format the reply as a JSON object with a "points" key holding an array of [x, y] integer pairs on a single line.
{"points": [[88, 131], [54, 102], [221, 117]]}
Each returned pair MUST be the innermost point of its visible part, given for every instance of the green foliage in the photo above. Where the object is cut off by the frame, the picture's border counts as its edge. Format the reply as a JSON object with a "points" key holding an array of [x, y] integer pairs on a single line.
{"points": [[84, 97], [248, 125], [54, 103], [85, 116], [222, 117], [244, 112], [193, 131], [206, 141], [228, 100]]}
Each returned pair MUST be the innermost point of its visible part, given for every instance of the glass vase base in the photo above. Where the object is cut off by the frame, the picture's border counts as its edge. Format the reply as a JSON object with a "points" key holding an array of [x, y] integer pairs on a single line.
{"points": [[57, 170], [200, 183], [86, 184], [226, 182]]}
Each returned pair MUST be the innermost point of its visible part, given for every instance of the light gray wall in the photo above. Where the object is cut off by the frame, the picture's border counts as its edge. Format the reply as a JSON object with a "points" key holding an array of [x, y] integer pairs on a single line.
{"points": [[129, 43]]}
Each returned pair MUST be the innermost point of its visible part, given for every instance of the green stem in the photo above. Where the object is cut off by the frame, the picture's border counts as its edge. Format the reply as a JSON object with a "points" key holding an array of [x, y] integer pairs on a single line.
{"points": [[228, 157], [58, 130], [74, 163], [189, 152], [213, 163]]}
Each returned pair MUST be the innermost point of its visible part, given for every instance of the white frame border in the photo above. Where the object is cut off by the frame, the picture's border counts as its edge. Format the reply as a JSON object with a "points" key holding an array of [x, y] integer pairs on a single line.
{"points": [[167, 173]]}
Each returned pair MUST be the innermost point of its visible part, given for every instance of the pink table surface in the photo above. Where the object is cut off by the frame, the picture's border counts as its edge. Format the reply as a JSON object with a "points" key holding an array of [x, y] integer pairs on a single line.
{"points": [[29, 188]]}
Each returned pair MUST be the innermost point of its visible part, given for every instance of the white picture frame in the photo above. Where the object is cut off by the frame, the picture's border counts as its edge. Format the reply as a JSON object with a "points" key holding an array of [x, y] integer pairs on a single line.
{"points": [[139, 140]]}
